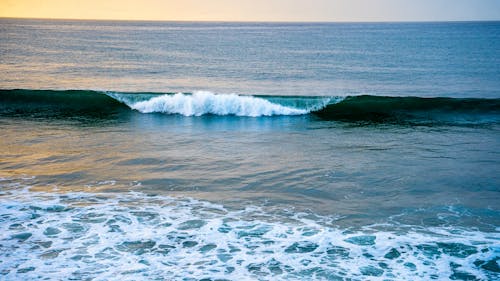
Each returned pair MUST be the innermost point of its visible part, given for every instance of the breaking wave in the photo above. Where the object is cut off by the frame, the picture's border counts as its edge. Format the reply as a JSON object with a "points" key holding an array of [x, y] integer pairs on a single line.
{"points": [[348, 109], [201, 103]]}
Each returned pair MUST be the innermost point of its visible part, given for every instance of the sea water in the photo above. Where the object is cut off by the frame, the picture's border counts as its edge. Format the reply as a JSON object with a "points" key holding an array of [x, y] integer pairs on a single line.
{"points": [[252, 151]]}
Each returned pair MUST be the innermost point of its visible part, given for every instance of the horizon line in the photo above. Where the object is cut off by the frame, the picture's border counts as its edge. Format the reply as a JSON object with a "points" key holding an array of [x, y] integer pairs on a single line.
{"points": [[253, 21]]}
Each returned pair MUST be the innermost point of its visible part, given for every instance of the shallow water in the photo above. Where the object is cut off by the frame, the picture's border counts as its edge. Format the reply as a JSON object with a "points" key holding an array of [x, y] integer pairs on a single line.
{"points": [[138, 236]]}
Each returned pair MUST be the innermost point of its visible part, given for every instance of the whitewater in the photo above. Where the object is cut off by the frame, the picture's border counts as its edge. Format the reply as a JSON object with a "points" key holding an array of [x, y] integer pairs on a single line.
{"points": [[200, 103], [137, 236]]}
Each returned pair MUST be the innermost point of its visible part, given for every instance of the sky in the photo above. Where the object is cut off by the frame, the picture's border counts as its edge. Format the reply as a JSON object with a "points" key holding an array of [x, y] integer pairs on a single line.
{"points": [[256, 10]]}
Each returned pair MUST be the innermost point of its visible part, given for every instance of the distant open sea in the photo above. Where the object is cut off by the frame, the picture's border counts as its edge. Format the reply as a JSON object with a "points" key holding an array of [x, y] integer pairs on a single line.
{"points": [[249, 151]]}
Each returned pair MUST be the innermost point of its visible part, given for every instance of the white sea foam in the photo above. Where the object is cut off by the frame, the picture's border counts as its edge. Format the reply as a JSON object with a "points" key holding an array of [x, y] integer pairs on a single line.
{"points": [[134, 236], [201, 103]]}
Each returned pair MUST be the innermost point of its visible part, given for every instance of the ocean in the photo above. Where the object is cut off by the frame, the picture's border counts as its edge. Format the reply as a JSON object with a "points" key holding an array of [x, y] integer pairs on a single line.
{"points": [[249, 151]]}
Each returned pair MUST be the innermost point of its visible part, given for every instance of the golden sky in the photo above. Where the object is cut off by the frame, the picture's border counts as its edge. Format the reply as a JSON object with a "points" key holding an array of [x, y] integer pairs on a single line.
{"points": [[255, 10]]}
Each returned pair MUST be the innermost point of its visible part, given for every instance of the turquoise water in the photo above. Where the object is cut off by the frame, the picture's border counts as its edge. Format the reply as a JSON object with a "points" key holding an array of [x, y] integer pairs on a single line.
{"points": [[223, 151]]}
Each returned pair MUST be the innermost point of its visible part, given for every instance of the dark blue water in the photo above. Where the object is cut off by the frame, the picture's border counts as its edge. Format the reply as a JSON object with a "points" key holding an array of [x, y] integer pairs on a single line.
{"points": [[253, 151]]}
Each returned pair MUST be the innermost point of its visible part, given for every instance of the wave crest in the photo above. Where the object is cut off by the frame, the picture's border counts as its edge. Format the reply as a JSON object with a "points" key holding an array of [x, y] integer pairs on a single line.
{"points": [[201, 103], [365, 108]]}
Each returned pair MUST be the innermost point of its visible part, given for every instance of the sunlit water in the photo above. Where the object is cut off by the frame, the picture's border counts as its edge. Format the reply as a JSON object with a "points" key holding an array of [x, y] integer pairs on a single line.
{"points": [[214, 184]]}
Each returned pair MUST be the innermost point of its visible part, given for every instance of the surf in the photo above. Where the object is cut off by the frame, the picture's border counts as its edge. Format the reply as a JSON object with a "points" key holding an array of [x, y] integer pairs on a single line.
{"points": [[364, 108], [202, 103], [138, 236]]}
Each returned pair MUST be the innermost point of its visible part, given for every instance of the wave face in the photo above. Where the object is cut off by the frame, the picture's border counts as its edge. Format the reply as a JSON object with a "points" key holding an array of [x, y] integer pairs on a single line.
{"points": [[366, 108], [412, 109], [50, 104]]}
